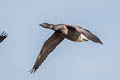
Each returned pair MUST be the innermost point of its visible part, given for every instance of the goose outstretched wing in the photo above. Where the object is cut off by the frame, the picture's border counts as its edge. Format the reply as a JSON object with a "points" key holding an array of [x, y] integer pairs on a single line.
{"points": [[47, 48]]}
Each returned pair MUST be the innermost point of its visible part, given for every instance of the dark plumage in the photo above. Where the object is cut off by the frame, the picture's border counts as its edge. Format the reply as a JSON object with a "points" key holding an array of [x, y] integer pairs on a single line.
{"points": [[62, 31], [3, 36]]}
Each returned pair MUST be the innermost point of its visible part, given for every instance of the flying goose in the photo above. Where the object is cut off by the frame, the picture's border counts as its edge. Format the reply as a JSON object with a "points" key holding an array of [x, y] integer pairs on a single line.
{"points": [[62, 31], [3, 36]]}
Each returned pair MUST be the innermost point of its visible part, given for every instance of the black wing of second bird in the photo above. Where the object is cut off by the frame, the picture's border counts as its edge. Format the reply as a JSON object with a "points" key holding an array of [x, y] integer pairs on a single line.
{"points": [[3, 36], [47, 48]]}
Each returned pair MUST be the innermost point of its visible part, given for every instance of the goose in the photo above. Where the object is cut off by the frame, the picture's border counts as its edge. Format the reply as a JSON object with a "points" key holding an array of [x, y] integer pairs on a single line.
{"points": [[3, 36], [62, 31]]}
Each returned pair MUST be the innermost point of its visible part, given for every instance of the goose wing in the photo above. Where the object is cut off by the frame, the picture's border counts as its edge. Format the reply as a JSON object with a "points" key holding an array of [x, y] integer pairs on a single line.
{"points": [[47, 48], [85, 32], [90, 35]]}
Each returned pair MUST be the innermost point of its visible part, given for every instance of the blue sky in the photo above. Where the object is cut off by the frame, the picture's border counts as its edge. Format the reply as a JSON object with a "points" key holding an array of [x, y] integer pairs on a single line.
{"points": [[70, 60]]}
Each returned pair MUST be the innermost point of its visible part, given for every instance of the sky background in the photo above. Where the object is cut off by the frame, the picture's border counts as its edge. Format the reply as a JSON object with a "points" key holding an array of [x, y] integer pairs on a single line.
{"points": [[70, 60]]}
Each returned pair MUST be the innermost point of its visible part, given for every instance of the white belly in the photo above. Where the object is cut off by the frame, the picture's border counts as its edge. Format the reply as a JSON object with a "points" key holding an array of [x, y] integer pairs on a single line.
{"points": [[82, 38]]}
